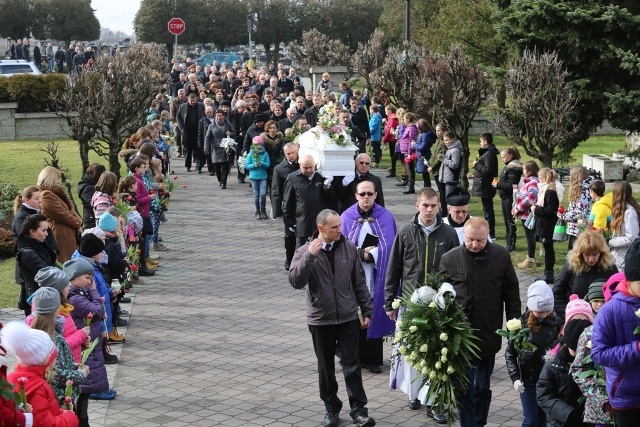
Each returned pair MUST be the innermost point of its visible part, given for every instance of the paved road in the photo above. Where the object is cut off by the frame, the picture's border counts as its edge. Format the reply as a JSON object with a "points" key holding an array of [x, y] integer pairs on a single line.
{"points": [[218, 337]]}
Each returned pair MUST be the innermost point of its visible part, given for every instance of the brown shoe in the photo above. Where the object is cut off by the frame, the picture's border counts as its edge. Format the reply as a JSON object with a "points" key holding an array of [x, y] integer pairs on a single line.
{"points": [[115, 337], [527, 263]]}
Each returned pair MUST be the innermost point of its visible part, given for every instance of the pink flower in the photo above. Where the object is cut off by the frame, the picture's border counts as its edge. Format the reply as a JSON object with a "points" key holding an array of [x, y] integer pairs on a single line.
{"points": [[22, 381], [336, 129], [184, 186], [69, 382]]}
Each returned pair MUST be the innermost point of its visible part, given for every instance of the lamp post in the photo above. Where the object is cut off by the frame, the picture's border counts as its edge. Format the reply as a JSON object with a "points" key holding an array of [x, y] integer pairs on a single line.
{"points": [[407, 38]]}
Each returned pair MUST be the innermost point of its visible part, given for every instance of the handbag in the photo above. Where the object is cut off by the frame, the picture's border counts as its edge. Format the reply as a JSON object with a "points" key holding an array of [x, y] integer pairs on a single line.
{"points": [[560, 231], [530, 222]]}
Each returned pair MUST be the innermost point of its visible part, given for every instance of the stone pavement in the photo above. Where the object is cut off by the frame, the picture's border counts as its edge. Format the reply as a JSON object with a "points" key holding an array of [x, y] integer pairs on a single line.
{"points": [[218, 337]]}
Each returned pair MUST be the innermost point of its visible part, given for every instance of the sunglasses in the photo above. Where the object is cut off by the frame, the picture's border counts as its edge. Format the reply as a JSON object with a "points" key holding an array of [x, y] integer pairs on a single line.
{"points": [[364, 163], [366, 193]]}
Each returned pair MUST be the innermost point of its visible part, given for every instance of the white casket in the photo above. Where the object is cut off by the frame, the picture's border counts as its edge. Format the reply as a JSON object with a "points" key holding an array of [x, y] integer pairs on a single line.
{"points": [[331, 158]]}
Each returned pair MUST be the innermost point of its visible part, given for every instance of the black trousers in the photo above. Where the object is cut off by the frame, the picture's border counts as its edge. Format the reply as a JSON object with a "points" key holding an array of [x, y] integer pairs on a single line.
{"points": [[627, 418], [371, 351], [289, 244], [509, 223], [300, 241], [531, 241], [222, 171], [443, 196], [489, 215], [392, 154], [190, 156], [344, 338], [426, 178]]}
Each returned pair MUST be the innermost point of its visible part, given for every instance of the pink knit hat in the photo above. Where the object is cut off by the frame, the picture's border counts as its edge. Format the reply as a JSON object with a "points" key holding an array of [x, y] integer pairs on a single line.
{"points": [[577, 306], [258, 140]]}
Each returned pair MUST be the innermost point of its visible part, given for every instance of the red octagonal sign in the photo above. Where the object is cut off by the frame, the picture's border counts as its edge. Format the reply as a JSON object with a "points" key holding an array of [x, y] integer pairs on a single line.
{"points": [[176, 26]]}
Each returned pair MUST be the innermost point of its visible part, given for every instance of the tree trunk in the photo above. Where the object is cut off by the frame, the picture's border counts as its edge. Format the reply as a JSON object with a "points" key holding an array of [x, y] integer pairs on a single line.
{"points": [[501, 96], [84, 153], [464, 181], [170, 50], [546, 158], [114, 159]]}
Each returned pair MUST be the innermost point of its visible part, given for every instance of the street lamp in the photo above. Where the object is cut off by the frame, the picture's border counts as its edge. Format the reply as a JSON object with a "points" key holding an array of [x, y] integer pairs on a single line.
{"points": [[407, 38]]}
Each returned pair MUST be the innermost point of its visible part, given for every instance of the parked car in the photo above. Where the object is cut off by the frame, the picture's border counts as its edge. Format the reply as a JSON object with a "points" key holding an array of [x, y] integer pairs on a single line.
{"points": [[227, 57], [9, 67]]}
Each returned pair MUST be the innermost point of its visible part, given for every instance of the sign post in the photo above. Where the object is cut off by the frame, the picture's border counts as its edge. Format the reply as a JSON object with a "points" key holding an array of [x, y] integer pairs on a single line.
{"points": [[176, 27]]}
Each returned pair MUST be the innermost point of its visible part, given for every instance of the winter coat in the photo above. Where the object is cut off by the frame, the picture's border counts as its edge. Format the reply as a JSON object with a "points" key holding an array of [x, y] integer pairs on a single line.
{"points": [[46, 410], [615, 346], [116, 265], [37, 56], [86, 188], [437, 156], [143, 199], [619, 243], [9, 415], [75, 337], [103, 284], [280, 173], [302, 201], [601, 211], [63, 220], [19, 218], [31, 256], [347, 193], [408, 137], [389, 129], [203, 126], [568, 283], [579, 209], [595, 393], [423, 146], [213, 139], [333, 294], [509, 177], [344, 97], [273, 146], [87, 301], [181, 121], [485, 169], [65, 368], [252, 131], [414, 254], [257, 168], [449, 172], [375, 127], [527, 365], [487, 287], [546, 216], [557, 393], [100, 202], [526, 197]]}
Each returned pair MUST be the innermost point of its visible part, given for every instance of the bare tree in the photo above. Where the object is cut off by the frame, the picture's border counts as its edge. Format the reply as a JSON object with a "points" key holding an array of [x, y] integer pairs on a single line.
{"points": [[109, 101], [317, 49], [540, 115], [454, 92], [369, 56], [51, 150]]}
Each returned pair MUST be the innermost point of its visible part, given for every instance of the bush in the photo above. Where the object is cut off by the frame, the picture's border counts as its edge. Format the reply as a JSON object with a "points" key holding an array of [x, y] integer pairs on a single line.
{"points": [[32, 92], [4, 90], [8, 192]]}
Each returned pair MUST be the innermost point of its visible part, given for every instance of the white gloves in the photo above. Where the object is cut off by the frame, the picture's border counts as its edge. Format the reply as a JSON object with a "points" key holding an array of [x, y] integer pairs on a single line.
{"points": [[518, 386], [328, 180], [348, 179]]}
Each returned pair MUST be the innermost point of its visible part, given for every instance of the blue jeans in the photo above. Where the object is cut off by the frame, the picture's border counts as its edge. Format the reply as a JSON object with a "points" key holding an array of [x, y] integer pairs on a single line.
{"points": [[259, 187], [51, 64], [474, 404], [533, 415]]}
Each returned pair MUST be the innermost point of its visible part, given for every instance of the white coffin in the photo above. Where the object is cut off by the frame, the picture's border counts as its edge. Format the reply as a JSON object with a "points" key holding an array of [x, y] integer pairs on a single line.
{"points": [[331, 158]]}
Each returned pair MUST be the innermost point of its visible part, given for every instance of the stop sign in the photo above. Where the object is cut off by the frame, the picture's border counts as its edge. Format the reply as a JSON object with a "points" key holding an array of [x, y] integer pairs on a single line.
{"points": [[176, 26]]}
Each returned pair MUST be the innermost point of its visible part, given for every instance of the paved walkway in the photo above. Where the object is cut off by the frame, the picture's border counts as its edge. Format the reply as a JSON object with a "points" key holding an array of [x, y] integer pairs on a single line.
{"points": [[219, 338]]}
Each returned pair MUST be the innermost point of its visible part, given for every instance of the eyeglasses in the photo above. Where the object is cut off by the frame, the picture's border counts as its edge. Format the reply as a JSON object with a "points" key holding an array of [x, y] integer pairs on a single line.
{"points": [[365, 193], [364, 163]]}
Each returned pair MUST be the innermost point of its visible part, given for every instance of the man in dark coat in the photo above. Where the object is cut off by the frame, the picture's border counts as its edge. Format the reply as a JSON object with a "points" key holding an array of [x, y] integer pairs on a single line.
{"points": [[187, 119], [359, 116], [235, 118], [71, 52], [203, 126], [25, 50], [486, 287], [280, 173], [346, 186], [312, 113], [37, 55], [304, 196], [254, 130]]}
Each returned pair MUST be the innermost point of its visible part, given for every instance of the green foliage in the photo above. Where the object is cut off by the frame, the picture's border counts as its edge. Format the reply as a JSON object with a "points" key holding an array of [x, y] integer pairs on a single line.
{"points": [[66, 20], [16, 18], [31, 92], [8, 192]]}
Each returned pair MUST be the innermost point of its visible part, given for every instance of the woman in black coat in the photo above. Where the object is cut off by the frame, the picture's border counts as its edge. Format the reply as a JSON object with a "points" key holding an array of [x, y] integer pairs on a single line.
{"points": [[86, 188], [546, 213], [485, 169], [32, 254]]}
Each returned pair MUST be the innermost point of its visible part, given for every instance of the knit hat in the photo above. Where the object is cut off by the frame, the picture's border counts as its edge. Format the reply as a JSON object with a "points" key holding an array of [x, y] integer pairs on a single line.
{"points": [[572, 332], [260, 117], [45, 301], [52, 277], [632, 262], [108, 222], [595, 291], [577, 306], [258, 140], [32, 346], [77, 267], [540, 297], [90, 245]]}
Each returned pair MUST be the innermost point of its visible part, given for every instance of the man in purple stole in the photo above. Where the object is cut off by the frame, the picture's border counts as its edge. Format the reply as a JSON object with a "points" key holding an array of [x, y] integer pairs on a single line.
{"points": [[364, 218]]}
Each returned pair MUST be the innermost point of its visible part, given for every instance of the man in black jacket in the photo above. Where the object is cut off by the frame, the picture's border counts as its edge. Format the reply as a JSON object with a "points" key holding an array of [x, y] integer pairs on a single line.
{"points": [[203, 126], [483, 277], [312, 113], [280, 173], [235, 118], [359, 118], [187, 119], [346, 186], [304, 196], [254, 130]]}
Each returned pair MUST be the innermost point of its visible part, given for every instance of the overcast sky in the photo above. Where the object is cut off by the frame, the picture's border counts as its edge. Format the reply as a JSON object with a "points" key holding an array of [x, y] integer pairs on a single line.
{"points": [[116, 14]]}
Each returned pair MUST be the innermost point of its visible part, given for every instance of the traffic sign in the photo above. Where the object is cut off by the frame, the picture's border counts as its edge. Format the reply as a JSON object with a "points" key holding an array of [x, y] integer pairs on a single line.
{"points": [[176, 26]]}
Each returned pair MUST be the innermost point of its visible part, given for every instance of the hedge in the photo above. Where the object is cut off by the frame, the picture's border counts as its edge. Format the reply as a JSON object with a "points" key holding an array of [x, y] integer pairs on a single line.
{"points": [[31, 92]]}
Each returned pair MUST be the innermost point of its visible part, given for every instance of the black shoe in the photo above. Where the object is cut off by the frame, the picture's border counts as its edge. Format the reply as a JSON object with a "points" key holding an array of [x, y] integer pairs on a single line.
{"points": [[409, 191], [331, 419], [188, 169], [219, 184], [390, 175], [374, 369], [121, 322], [438, 418], [122, 312], [364, 421], [125, 300], [264, 215], [110, 359], [199, 170], [287, 265], [258, 216], [212, 174], [241, 181], [414, 404], [223, 186], [144, 271], [403, 181]]}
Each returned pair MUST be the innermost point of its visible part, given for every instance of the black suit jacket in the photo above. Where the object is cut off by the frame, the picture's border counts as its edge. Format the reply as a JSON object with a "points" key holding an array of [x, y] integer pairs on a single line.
{"points": [[280, 173], [347, 193]]}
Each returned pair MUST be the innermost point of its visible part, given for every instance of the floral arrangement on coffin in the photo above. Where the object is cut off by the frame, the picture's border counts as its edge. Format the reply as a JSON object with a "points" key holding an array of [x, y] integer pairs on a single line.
{"points": [[436, 339], [291, 134], [330, 124]]}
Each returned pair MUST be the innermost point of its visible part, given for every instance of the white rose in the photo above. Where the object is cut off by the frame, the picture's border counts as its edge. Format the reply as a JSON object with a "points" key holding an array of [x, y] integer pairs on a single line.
{"points": [[444, 337], [589, 344], [424, 348], [399, 323], [423, 363], [432, 304], [450, 370], [396, 303], [424, 371], [443, 359], [399, 335], [402, 349], [444, 377], [438, 365], [638, 313], [514, 325], [413, 328], [414, 355], [432, 375], [444, 351]]}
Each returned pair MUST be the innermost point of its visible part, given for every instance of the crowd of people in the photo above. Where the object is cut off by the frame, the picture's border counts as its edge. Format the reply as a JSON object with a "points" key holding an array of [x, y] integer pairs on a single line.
{"points": [[343, 246]]}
